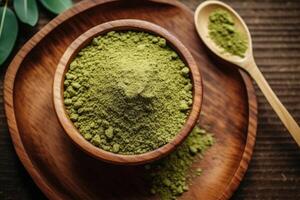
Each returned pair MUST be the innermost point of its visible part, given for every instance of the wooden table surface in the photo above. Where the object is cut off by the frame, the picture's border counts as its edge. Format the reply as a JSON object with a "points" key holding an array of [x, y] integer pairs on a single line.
{"points": [[274, 172]]}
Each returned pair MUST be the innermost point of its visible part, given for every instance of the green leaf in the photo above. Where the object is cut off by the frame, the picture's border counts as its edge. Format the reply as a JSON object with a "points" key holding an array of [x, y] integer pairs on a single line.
{"points": [[57, 6], [8, 32], [27, 11]]}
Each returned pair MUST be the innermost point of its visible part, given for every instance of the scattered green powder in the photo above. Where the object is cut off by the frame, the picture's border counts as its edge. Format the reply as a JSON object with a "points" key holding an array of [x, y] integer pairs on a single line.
{"points": [[128, 92], [170, 177], [223, 32]]}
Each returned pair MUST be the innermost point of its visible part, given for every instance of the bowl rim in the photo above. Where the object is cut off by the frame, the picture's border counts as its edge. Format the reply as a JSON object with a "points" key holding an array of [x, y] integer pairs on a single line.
{"points": [[84, 40]]}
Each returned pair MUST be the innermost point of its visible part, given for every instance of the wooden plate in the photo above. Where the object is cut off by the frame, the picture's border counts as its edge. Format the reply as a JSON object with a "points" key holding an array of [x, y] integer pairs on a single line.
{"points": [[62, 171]]}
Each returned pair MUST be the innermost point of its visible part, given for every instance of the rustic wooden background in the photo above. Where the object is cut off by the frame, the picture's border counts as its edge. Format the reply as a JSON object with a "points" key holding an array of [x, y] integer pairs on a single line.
{"points": [[274, 172]]}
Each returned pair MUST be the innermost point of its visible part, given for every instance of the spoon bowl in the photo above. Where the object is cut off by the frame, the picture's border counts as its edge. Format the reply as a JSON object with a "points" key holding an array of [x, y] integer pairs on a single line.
{"points": [[201, 22], [247, 62]]}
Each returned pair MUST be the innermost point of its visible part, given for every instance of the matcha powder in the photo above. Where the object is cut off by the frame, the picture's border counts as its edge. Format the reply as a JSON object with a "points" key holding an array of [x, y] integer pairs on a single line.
{"points": [[128, 92], [171, 176], [223, 32]]}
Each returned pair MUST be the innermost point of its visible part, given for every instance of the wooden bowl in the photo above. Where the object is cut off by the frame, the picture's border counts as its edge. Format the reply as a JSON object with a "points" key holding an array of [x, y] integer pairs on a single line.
{"points": [[82, 41]]}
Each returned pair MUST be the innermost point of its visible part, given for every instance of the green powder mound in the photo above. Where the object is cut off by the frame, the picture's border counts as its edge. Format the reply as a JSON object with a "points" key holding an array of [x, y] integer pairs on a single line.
{"points": [[223, 32], [171, 176], [128, 92]]}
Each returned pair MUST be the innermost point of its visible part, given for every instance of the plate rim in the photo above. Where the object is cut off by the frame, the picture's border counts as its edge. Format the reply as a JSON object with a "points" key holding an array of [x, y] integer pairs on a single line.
{"points": [[9, 81]]}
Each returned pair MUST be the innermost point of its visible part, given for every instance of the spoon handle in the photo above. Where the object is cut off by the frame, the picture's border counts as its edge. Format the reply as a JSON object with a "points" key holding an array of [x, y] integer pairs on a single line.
{"points": [[281, 111]]}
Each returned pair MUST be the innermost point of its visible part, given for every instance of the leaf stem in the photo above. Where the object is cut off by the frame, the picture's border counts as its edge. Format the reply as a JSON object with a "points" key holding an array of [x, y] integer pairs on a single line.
{"points": [[25, 8], [2, 17]]}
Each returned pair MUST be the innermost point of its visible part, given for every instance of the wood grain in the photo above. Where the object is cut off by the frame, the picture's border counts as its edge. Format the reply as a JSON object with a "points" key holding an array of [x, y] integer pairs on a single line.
{"points": [[64, 172], [85, 39]]}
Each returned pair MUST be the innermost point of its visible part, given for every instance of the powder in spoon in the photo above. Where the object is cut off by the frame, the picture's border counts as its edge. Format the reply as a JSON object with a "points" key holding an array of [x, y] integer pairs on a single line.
{"points": [[128, 92], [171, 176], [223, 32]]}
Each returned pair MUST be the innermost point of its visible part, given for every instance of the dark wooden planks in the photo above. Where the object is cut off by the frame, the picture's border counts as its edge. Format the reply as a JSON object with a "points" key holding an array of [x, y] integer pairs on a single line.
{"points": [[274, 170]]}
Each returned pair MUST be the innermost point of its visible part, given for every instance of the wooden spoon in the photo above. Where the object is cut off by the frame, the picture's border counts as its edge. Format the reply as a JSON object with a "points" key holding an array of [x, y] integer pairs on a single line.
{"points": [[247, 63]]}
